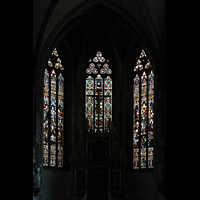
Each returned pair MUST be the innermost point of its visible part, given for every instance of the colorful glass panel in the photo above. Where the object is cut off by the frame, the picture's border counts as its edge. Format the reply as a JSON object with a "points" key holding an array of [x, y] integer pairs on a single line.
{"points": [[98, 124], [53, 119], [150, 119], [60, 136], [89, 99], [98, 94], [143, 102], [142, 54], [108, 86], [143, 120], [53, 122], [89, 110], [107, 101], [136, 100], [46, 119]]}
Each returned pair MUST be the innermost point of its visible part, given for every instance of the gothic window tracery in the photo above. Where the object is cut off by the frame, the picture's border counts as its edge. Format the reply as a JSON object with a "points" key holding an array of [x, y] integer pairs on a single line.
{"points": [[143, 113], [98, 94], [53, 121]]}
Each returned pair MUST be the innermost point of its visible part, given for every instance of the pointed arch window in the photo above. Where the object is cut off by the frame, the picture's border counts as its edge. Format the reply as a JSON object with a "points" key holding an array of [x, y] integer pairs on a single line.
{"points": [[53, 121], [143, 113], [98, 94]]}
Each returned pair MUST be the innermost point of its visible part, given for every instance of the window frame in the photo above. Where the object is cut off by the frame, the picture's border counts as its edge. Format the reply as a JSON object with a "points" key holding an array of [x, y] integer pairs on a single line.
{"points": [[139, 71], [94, 76], [54, 59]]}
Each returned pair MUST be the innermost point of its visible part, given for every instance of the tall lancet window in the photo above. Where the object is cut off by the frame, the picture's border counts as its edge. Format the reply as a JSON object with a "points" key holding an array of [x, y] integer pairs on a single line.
{"points": [[53, 121], [143, 113], [98, 94]]}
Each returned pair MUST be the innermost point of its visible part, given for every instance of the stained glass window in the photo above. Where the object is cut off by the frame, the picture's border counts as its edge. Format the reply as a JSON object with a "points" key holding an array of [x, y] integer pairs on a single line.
{"points": [[53, 121], [143, 113], [98, 94]]}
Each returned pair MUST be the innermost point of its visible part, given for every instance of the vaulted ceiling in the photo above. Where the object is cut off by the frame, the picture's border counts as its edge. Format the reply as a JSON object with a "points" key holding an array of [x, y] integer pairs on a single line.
{"points": [[86, 26]]}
